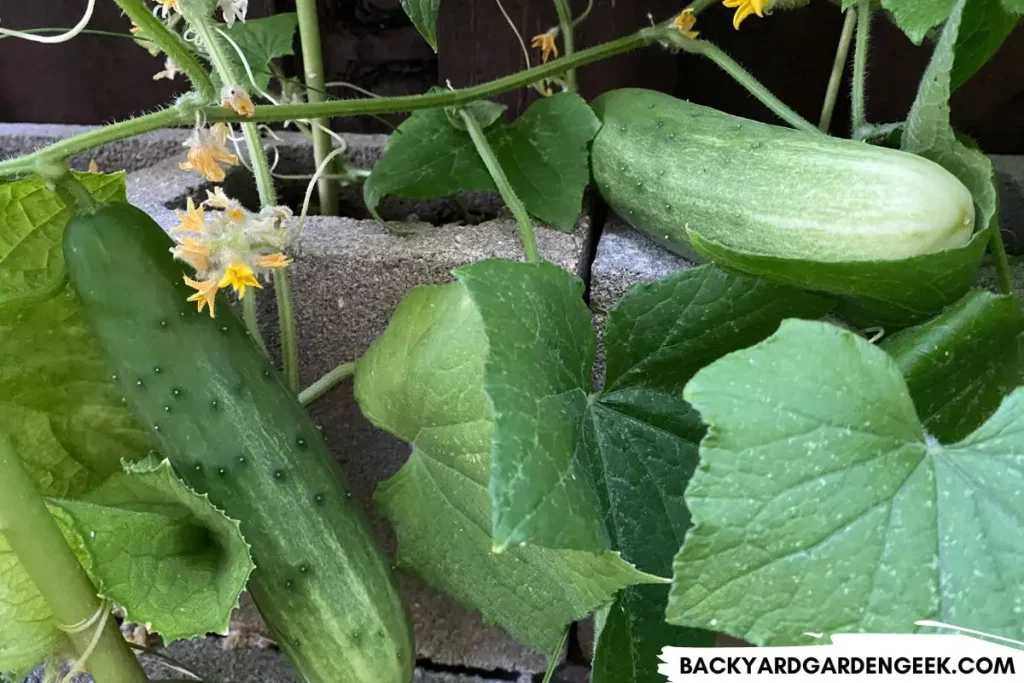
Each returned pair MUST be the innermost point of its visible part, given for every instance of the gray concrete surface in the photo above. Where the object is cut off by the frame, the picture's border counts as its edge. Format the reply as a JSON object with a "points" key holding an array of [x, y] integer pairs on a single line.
{"points": [[1010, 180]]}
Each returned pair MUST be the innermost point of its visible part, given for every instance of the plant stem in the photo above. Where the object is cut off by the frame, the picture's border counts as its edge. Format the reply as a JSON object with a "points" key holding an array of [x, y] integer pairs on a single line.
{"points": [[313, 64], [568, 42], [43, 553], [698, 6], [326, 383], [286, 320], [741, 76], [172, 45], [553, 660], [512, 200], [586, 13], [359, 107], [252, 322], [999, 259], [838, 67], [860, 67]]}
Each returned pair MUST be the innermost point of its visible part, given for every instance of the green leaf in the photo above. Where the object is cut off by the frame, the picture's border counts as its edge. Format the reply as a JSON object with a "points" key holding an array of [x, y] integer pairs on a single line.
{"points": [[928, 132], [261, 41], [984, 27], [59, 402], [960, 365], [27, 630], [485, 112], [423, 380], [641, 437], [160, 550], [541, 351], [423, 14], [1014, 6], [820, 505], [33, 219], [544, 154], [917, 17], [892, 294]]}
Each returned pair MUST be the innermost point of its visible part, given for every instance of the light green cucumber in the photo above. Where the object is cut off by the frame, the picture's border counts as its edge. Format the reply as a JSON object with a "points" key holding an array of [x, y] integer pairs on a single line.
{"points": [[232, 430], [686, 174]]}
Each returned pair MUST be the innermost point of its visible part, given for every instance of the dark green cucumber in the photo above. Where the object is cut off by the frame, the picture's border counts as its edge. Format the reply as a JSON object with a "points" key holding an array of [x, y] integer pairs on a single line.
{"points": [[232, 430]]}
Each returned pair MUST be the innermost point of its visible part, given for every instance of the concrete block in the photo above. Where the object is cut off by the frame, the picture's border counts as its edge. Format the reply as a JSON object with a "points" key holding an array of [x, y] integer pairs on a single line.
{"points": [[1010, 181]]}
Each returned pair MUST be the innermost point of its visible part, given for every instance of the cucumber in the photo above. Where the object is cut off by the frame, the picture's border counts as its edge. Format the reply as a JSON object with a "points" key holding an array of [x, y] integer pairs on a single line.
{"points": [[233, 431], [679, 171]]}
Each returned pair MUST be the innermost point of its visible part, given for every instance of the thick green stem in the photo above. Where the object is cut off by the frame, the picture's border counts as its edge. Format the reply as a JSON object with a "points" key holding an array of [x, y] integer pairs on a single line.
{"points": [[741, 76], [172, 45], [1000, 261], [326, 383], [289, 336], [566, 27], [313, 65], [43, 553], [359, 107], [838, 67], [860, 67], [698, 6], [512, 200]]}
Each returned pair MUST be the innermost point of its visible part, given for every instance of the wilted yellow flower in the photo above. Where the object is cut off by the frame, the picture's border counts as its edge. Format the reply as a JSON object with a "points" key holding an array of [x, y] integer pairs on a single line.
{"points": [[744, 8], [547, 44], [206, 293], [273, 261], [238, 99], [685, 22], [217, 199], [192, 219], [207, 151], [193, 252], [238, 276]]}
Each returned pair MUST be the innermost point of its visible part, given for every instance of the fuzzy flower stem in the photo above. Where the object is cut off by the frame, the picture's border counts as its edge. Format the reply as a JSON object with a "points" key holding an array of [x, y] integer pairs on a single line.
{"points": [[566, 26], [512, 200], [268, 198], [741, 76], [860, 67], [172, 45], [313, 66], [332, 108], [42, 551], [698, 6], [838, 67], [326, 383]]}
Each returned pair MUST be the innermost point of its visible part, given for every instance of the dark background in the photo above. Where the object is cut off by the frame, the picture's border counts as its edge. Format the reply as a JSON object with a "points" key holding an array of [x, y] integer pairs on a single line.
{"points": [[95, 79]]}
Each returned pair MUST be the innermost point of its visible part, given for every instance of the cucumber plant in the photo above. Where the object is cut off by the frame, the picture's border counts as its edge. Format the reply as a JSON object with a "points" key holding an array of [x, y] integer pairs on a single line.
{"points": [[760, 419]]}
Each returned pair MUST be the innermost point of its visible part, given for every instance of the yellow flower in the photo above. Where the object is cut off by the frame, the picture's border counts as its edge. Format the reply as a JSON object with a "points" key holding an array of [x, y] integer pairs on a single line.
{"points": [[217, 199], [206, 152], [192, 219], [273, 261], [238, 276], [167, 5], [206, 293], [684, 24], [235, 214], [744, 8], [238, 99], [93, 166], [170, 71], [546, 43], [194, 253]]}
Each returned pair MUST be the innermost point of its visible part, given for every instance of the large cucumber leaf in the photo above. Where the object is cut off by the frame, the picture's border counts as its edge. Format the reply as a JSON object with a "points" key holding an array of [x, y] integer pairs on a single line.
{"points": [[892, 294], [262, 41], [640, 437], [959, 365], [163, 552], [544, 154], [917, 17], [815, 419], [422, 380]]}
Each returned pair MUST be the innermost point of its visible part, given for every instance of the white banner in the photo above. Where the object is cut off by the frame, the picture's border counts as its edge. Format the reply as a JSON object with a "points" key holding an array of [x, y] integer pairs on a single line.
{"points": [[855, 657]]}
